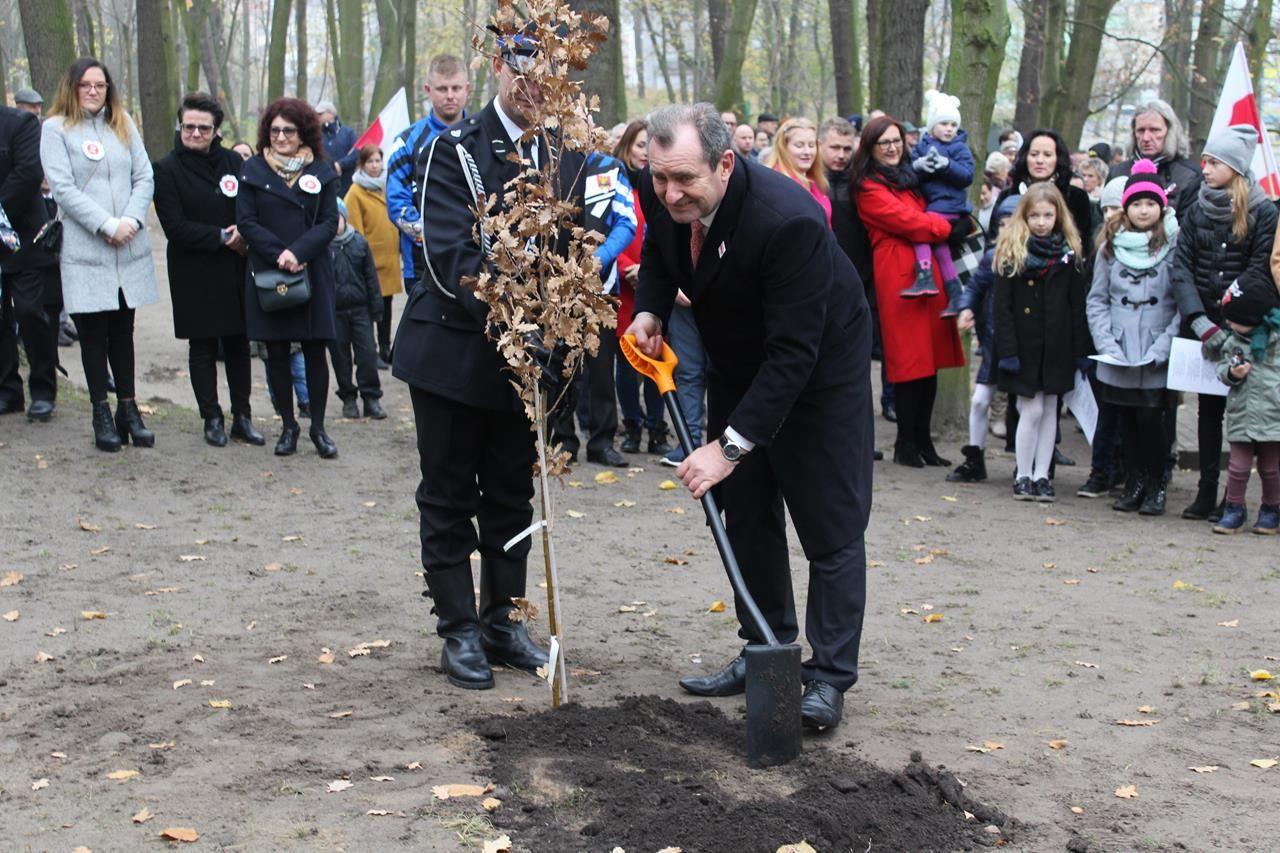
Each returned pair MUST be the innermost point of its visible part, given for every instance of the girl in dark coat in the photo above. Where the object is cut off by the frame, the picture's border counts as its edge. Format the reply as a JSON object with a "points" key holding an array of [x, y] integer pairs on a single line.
{"points": [[287, 211], [196, 188], [1041, 334]]}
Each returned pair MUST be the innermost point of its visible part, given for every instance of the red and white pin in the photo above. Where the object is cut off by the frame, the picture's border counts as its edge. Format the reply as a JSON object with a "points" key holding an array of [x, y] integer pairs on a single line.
{"points": [[309, 184], [229, 185], [92, 149]]}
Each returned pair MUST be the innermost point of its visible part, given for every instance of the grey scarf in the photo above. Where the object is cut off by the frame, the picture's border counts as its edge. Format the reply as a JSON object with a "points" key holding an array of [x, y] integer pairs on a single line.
{"points": [[373, 185], [1216, 203]]}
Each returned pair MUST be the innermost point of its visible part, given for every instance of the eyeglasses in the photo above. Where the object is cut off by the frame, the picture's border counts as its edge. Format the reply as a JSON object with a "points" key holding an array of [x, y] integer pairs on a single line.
{"points": [[886, 144], [286, 132], [197, 129], [94, 87]]}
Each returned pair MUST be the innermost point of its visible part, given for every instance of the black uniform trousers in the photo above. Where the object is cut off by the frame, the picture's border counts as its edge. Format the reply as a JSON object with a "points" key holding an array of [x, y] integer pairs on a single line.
{"points": [[355, 338], [752, 499], [476, 463], [202, 359], [23, 314], [601, 399]]}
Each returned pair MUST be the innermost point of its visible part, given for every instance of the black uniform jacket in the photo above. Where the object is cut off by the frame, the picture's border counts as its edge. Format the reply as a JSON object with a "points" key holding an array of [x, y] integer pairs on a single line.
{"points": [[274, 216], [195, 199], [441, 345], [20, 176], [787, 332]]}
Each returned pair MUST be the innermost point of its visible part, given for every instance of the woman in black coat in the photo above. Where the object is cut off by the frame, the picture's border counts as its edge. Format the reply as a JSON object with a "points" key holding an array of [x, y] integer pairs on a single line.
{"points": [[196, 187], [1044, 157], [287, 211]]}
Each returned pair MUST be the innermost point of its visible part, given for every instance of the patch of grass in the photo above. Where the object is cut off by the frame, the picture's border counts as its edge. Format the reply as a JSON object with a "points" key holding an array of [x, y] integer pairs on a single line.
{"points": [[1054, 682], [471, 829]]}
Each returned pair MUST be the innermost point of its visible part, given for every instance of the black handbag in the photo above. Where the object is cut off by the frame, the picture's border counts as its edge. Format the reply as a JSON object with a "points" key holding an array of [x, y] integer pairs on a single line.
{"points": [[49, 237], [279, 290]]}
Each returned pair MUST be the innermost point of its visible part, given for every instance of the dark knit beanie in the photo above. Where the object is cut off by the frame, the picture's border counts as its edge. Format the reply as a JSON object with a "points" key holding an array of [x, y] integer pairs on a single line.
{"points": [[1247, 304], [1144, 182]]}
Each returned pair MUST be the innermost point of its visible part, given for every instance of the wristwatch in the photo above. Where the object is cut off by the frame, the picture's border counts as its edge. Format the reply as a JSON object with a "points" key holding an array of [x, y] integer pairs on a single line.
{"points": [[733, 452]]}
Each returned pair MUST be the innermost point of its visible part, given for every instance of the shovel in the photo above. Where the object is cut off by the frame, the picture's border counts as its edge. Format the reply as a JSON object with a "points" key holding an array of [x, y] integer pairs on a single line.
{"points": [[773, 670]]}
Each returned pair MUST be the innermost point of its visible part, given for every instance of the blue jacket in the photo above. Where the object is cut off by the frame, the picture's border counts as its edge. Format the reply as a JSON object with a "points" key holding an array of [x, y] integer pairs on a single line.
{"points": [[339, 146], [608, 207], [947, 191], [404, 183], [977, 297]]}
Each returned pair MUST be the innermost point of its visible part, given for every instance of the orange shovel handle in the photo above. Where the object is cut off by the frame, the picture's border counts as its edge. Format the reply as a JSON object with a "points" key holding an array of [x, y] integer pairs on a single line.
{"points": [[661, 371]]}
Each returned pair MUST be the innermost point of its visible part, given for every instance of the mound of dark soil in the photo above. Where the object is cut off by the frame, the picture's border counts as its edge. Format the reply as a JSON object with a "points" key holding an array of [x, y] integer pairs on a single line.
{"points": [[651, 773]]}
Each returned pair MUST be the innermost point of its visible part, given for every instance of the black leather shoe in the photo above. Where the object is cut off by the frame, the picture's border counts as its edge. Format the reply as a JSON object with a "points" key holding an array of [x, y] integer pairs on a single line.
{"points": [[41, 410], [9, 407], [822, 706], [906, 453], [508, 643], [609, 457], [730, 681], [350, 409], [130, 426], [288, 443], [215, 431], [889, 412], [373, 409], [877, 455], [463, 660], [105, 436], [1060, 458], [931, 458], [324, 445], [1154, 501], [242, 429]]}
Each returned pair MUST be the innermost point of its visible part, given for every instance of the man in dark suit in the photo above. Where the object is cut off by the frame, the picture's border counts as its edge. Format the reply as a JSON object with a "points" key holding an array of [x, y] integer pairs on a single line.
{"points": [[475, 444], [788, 335], [25, 272]]}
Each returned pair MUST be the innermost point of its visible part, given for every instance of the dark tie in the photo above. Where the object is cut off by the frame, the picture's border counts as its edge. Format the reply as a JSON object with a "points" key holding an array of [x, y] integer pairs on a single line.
{"points": [[526, 151], [697, 234]]}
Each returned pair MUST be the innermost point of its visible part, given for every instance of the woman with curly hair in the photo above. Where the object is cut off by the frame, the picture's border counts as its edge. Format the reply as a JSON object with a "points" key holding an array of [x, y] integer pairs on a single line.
{"points": [[287, 210]]}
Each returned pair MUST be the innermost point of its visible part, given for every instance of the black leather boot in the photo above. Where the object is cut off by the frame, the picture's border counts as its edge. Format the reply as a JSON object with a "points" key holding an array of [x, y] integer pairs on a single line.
{"points": [[506, 641], [324, 445], [242, 429], [632, 433], [463, 658], [973, 469], [1203, 505], [906, 453], [287, 445], [1153, 503], [130, 426], [658, 442], [215, 431], [104, 428], [1134, 491]]}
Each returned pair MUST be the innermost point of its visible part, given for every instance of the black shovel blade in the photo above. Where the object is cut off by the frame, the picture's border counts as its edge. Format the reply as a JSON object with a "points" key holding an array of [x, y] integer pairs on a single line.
{"points": [[773, 704]]}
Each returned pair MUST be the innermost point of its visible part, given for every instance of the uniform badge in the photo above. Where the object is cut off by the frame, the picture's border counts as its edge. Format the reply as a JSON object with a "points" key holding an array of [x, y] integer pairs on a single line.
{"points": [[309, 184], [721, 251], [229, 185], [92, 149], [455, 133]]}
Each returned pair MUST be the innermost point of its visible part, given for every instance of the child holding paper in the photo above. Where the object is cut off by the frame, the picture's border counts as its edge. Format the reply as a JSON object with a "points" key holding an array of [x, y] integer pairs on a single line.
{"points": [[1133, 317], [1250, 365]]}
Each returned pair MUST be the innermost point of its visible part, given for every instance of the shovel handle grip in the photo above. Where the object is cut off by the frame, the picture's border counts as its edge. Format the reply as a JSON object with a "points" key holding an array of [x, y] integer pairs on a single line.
{"points": [[661, 371]]}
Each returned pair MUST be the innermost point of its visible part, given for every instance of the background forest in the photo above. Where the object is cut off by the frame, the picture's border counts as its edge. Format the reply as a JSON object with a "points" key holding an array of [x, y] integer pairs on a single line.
{"points": [[1078, 66]]}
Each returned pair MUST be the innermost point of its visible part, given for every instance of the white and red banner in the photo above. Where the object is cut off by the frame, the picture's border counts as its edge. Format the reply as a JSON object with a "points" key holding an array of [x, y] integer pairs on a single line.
{"points": [[389, 124], [1238, 105]]}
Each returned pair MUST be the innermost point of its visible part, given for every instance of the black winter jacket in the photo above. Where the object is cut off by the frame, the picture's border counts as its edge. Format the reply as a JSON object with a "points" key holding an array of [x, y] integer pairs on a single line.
{"points": [[1208, 258], [355, 275], [1042, 322]]}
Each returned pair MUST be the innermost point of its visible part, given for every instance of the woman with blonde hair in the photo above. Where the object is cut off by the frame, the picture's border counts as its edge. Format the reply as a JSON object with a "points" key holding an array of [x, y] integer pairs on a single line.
{"points": [[795, 154], [101, 178]]}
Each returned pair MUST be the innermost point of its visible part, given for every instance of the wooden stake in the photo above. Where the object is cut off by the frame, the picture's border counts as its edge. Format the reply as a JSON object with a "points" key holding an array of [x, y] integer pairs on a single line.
{"points": [[559, 683]]}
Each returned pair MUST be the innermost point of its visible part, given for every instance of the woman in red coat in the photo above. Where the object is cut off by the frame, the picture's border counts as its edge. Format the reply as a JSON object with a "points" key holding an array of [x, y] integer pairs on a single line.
{"points": [[917, 342]]}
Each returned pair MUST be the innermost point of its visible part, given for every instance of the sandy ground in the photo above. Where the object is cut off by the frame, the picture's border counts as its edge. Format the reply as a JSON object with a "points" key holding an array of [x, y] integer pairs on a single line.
{"points": [[224, 575]]}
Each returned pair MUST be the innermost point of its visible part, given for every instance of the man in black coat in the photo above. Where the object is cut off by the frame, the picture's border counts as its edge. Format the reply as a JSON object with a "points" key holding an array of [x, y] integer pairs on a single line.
{"points": [[788, 338], [475, 444], [1158, 135], [25, 272], [196, 188]]}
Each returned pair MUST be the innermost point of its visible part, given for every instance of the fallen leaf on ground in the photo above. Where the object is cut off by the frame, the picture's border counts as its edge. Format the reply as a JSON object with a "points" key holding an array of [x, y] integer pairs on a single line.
{"points": [[369, 504], [1086, 664], [1048, 565], [191, 558], [221, 704], [170, 744], [294, 490], [338, 785], [1234, 623], [413, 765], [384, 813], [1055, 522], [716, 607], [207, 682], [57, 755], [382, 779], [1146, 709], [11, 578], [625, 504], [982, 749], [326, 656], [626, 608], [1183, 586], [1077, 810], [273, 567], [573, 513], [907, 611], [11, 616], [949, 499], [338, 715], [1208, 768], [180, 833], [933, 617], [141, 526], [501, 844], [98, 552], [198, 658], [1261, 675], [1239, 706], [1127, 792], [278, 659], [1057, 744], [1264, 763], [925, 560], [88, 526], [182, 682], [202, 541], [575, 484], [162, 590], [923, 518], [291, 538], [675, 510], [606, 478], [990, 744], [143, 816], [491, 804], [89, 615], [55, 632], [874, 564], [800, 847], [39, 784], [445, 792], [42, 657], [122, 775], [671, 850], [675, 561], [306, 685], [1136, 723], [667, 485]]}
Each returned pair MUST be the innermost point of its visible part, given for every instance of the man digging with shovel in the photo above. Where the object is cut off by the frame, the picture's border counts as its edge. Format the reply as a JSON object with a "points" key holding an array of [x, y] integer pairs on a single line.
{"points": [[787, 332]]}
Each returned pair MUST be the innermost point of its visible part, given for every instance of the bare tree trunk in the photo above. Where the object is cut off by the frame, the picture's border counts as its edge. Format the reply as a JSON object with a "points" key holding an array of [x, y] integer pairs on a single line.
{"points": [[84, 28], [875, 38], [1176, 59], [192, 19], [1081, 67], [901, 57], [348, 66], [1055, 33], [659, 50], [718, 12], [1259, 37], [390, 65], [606, 78], [1027, 107], [50, 42], [244, 65], [728, 89], [637, 38], [789, 66], [409, 24], [157, 76], [1205, 76], [844, 56], [277, 44], [300, 46]]}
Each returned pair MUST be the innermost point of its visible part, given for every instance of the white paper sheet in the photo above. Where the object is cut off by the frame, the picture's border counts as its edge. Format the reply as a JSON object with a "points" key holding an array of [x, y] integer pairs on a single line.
{"points": [[1115, 362], [1083, 406], [1190, 371]]}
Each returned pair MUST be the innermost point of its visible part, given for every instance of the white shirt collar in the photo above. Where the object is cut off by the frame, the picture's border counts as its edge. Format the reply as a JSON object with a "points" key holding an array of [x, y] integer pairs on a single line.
{"points": [[707, 220], [514, 132]]}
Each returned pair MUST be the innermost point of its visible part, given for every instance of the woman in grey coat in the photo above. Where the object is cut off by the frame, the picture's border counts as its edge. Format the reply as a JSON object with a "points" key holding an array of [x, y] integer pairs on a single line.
{"points": [[100, 176]]}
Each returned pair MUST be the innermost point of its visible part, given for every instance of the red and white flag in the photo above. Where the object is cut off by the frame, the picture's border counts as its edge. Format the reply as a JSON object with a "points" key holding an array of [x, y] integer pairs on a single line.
{"points": [[1237, 105], [389, 124]]}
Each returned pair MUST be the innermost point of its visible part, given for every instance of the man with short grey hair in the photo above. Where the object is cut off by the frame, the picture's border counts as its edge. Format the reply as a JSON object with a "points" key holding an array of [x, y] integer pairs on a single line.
{"points": [[787, 334]]}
